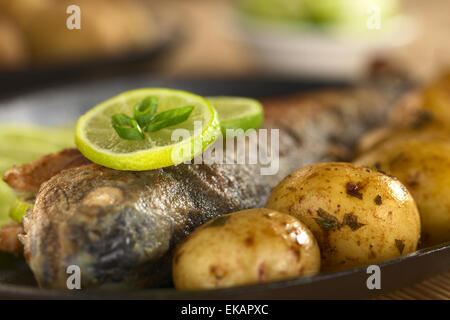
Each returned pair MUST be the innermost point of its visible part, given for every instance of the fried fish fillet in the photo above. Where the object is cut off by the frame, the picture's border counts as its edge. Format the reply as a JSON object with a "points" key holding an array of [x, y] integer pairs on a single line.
{"points": [[121, 227], [8, 238], [29, 177]]}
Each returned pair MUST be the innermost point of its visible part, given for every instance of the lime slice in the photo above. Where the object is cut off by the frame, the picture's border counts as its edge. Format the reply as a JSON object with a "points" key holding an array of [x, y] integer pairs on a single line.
{"points": [[237, 113], [99, 142], [28, 136], [19, 208], [6, 163], [22, 143], [6, 201]]}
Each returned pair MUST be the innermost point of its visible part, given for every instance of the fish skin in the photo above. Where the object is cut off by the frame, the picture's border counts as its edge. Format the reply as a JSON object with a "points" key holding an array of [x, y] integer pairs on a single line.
{"points": [[28, 178], [127, 241], [121, 227], [9, 241]]}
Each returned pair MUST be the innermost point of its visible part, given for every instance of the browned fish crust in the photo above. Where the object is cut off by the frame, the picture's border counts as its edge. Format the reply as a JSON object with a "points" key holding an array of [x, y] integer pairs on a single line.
{"points": [[29, 177], [9, 241]]}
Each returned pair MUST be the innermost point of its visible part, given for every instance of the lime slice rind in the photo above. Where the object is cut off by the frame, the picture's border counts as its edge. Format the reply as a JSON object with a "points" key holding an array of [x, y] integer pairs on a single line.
{"points": [[237, 113], [6, 201]]}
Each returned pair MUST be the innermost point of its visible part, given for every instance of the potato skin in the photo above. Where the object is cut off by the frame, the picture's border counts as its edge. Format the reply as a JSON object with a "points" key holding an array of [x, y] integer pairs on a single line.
{"points": [[423, 165], [437, 99], [428, 105], [245, 247], [358, 216], [378, 136]]}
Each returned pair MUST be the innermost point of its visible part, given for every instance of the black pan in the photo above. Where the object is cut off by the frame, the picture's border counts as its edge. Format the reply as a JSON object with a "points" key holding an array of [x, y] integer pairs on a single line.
{"points": [[65, 104]]}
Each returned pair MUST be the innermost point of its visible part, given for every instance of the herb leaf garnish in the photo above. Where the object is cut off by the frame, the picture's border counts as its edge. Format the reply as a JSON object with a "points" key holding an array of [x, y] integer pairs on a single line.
{"points": [[400, 244], [326, 220], [352, 221], [126, 127], [145, 119], [169, 118], [145, 110]]}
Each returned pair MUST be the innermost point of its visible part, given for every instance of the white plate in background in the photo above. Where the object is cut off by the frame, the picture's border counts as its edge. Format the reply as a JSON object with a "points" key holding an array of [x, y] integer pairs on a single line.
{"points": [[296, 50]]}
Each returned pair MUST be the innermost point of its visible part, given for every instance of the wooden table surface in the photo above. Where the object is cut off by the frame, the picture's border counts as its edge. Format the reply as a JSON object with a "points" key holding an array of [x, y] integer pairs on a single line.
{"points": [[437, 287]]}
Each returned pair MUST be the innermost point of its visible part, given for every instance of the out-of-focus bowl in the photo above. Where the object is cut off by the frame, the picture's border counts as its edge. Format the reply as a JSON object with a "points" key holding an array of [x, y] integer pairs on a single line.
{"points": [[298, 50]]}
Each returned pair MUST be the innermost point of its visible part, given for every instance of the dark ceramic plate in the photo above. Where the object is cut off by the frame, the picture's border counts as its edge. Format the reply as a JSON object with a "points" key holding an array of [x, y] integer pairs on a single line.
{"points": [[65, 104]]}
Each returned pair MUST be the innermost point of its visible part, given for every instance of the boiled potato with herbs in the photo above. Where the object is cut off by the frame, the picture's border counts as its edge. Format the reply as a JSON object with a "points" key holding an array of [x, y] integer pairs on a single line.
{"points": [[358, 215], [424, 106], [245, 247], [378, 136], [437, 100], [423, 166]]}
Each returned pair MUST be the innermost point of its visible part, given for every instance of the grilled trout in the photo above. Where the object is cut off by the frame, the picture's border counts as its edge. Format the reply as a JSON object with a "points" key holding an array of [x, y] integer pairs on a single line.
{"points": [[121, 228]]}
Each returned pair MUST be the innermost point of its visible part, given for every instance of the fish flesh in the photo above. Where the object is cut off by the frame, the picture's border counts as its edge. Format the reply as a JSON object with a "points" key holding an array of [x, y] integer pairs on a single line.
{"points": [[121, 228], [28, 178], [9, 241]]}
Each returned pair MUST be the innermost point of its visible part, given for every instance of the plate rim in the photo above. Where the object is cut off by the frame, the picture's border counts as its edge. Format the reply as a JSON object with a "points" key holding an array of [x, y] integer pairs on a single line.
{"points": [[26, 292]]}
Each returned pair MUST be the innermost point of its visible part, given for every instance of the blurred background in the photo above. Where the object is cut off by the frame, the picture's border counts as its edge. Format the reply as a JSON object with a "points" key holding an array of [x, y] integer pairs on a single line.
{"points": [[313, 39], [51, 74]]}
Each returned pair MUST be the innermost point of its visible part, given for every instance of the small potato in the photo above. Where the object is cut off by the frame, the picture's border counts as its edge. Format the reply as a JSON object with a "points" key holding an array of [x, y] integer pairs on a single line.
{"points": [[426, 106], [378, 136], [437, 99], [245, 247], [358, 215], [423, 165]]}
